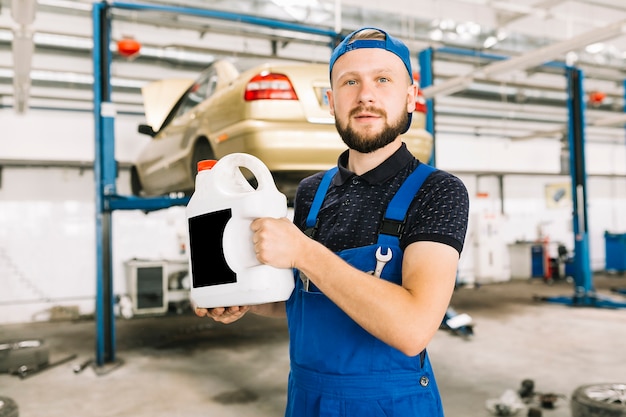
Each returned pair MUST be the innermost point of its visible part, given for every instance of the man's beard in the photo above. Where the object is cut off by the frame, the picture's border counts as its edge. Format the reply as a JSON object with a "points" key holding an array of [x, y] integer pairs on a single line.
{"points": [[365, 143]]}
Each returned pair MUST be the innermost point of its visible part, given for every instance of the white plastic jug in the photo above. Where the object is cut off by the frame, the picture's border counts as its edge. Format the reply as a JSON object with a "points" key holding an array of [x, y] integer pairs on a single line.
{"points": [[223, 265]]}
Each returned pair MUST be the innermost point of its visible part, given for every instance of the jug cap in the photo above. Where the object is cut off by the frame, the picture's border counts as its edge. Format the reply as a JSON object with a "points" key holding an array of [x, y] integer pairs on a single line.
{"points": [[206, 164]]}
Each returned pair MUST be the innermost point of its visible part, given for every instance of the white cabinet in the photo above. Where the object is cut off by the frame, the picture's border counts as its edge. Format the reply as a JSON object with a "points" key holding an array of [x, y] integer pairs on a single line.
{"points": [[520, 254], [491, 260]]}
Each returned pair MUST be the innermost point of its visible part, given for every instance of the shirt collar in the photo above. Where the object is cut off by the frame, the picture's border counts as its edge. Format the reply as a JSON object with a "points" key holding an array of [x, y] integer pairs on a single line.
{"points": [[389, 168]]}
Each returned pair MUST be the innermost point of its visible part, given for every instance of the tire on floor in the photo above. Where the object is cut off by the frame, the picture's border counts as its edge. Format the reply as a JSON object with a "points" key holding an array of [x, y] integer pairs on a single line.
{"points": [[599, 400], [8, 407]]}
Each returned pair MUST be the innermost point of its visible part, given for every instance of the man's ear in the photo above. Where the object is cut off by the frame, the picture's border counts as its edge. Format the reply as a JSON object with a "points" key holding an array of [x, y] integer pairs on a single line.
{"points": [[411, 97], [331, 101]]}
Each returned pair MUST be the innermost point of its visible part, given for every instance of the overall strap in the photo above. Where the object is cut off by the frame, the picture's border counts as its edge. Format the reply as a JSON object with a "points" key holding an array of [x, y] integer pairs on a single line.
{"points": [[311, 220], [392, 225]]}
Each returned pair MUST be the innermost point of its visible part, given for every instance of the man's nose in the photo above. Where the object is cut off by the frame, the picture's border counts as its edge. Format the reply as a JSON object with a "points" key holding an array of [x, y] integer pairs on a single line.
{"points": [[366, 92]]}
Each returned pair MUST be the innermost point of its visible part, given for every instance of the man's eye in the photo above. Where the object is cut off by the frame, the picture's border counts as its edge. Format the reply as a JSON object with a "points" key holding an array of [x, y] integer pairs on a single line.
{"points": [[383, 79], [350, 82]]}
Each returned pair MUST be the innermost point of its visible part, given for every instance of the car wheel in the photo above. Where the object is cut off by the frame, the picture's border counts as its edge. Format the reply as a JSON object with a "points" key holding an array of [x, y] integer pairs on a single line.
{"points": [[599, 400], [8, 407], [201, 151], [135, 182]]}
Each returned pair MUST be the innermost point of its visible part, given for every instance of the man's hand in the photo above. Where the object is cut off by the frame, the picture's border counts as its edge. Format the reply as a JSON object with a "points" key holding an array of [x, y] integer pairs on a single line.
{"points": [[277, 242], [224, 315]]}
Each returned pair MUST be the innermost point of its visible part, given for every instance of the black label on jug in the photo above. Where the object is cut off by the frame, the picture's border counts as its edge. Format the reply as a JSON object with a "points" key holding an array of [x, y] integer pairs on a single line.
{"points": [[208, 265]]}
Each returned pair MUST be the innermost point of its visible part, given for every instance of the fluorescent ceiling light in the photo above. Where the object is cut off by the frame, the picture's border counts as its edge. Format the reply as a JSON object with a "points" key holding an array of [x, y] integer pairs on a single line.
{"points": [[435, 34], [489, 42], [548, 53], [595, 48]]}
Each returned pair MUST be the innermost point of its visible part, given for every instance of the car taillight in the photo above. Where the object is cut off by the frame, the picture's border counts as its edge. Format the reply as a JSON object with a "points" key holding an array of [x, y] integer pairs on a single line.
{"points": [[270, 86], [420, 103]]}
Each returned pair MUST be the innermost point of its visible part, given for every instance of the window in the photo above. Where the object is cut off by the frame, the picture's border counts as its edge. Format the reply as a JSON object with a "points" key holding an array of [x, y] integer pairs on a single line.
{"points": [[199, 91]]}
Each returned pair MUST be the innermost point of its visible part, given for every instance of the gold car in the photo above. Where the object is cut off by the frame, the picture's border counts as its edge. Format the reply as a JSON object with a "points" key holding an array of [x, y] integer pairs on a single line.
{"points": [[276, 112]]}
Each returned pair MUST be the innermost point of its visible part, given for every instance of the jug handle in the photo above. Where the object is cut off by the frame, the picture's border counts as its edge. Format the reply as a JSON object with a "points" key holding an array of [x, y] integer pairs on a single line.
{"points": [[256, 166]]}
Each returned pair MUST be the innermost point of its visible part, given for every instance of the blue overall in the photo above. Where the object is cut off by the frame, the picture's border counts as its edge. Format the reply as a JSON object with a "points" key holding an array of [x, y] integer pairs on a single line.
{"points": [[338, 368]]}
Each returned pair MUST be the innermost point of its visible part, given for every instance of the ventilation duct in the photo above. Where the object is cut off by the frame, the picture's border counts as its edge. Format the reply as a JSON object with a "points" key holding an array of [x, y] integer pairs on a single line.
{"points": [[23, 13], [23, 48]]}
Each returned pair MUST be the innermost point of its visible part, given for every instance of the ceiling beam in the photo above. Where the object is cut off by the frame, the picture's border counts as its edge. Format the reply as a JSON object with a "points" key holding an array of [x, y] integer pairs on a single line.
{"points": [[528, 60]]}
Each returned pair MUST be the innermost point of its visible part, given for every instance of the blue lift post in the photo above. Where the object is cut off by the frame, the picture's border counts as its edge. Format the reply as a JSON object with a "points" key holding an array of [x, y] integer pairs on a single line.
{"points": [[105, 319], [105, 167], [107, 199], [584, 291]]}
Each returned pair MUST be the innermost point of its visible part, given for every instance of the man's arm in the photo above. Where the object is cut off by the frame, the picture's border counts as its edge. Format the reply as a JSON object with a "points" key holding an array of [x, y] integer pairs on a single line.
{"points": [[405, 317]]}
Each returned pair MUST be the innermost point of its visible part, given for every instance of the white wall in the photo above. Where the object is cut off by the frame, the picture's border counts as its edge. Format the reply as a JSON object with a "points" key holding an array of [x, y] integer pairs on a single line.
{"points": [[63, 136], [47, 217], [527, 215]]}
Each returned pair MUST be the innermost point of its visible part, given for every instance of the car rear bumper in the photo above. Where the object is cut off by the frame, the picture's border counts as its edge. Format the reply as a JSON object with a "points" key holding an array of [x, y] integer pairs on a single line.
{"points": [[300, 147], [284, 147]]}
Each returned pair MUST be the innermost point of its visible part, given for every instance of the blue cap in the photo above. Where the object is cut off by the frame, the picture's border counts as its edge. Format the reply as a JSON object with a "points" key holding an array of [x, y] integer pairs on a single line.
{"points": [[391, 44]]}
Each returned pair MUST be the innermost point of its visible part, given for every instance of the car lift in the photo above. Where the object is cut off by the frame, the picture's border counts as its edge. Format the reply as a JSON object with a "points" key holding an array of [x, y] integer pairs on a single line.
{"points": [[584, 291], [105, 168]]}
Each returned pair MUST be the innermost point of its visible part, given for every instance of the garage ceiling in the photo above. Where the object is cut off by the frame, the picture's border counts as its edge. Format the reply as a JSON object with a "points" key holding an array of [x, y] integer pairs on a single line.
{"points": [[58, 73]]}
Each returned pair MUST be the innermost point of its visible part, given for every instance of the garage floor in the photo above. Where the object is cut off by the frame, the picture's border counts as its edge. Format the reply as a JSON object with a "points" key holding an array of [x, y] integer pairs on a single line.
{"points": [[181, 365]]}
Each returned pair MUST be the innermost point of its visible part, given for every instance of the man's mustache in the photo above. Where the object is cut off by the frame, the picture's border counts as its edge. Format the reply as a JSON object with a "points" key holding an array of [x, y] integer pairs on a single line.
{"points": [[371, 110]]}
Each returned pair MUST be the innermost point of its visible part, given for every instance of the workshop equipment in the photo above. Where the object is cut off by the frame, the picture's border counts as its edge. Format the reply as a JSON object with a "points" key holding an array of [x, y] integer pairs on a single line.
{"points": [[223, 264], [26, 371], [458, 324], [538, 259], [615, 252], [31, 353], [154, 286], [146, 287], [551, 264], [25, 358]]}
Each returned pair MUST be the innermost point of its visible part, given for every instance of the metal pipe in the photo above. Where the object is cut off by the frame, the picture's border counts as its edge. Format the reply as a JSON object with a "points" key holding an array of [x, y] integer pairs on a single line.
{"points": [[233, 17]]}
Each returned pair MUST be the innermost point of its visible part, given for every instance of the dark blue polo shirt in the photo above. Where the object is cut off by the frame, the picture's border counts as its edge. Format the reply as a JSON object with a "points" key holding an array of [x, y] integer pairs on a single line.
{"points": [[354, 205]]}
